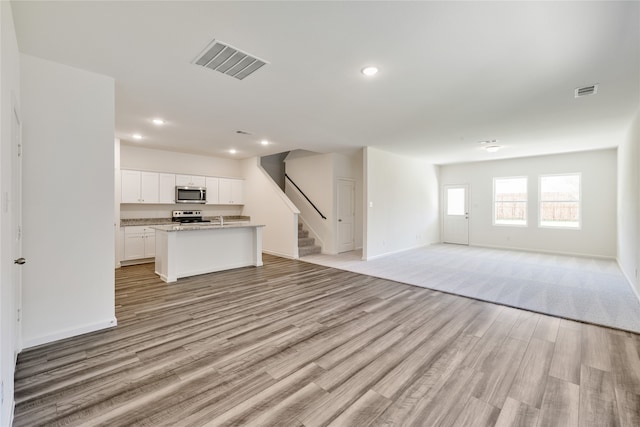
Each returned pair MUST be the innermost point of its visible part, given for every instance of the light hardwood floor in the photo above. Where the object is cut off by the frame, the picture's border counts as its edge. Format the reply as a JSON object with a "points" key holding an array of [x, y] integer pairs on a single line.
{"points": [[297, 344]]}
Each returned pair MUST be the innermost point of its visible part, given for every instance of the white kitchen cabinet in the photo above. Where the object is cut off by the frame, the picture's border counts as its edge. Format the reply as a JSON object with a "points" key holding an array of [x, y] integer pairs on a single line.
{"points": [[212, 190], [130, 187], [139, 243], [167, 190], [139, 187], [190, 181], [230, 191], [149, 186]]}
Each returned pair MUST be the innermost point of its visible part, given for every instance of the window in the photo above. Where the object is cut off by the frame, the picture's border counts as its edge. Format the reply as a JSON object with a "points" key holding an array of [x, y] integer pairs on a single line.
{"points": [[560, 201], [510, 201], [455, 201]]}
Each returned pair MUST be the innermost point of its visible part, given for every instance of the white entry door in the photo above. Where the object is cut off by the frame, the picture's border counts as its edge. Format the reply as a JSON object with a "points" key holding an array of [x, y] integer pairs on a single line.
{"points": [[346, 215], [456, 214]]}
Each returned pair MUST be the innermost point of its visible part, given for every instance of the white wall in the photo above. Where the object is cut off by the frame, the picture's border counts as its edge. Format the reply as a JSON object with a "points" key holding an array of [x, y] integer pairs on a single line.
{"points": [[68, 135], [628, 250], [597, 237], [401, 199], [313, 173], [147, 159], [317, 175], [266, 204], [9, 95]]}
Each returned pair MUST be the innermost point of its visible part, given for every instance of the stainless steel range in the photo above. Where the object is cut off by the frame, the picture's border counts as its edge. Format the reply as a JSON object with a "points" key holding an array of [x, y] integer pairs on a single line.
{"points": [[188, 217]]}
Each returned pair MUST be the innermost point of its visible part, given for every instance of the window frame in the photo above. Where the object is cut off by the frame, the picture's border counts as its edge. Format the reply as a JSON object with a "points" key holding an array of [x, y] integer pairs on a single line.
{"points": [[541, 201], [526, 202]]}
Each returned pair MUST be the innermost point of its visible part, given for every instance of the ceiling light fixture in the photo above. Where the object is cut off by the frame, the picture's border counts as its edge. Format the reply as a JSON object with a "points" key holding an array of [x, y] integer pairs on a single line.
{"points": [[232, 151], [137, 136], [492, 148], [369, 71], [264, 142], [158, 122]]}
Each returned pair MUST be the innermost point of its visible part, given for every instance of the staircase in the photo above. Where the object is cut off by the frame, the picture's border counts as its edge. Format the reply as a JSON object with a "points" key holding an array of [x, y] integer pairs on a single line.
{"points": [[306, 244]]}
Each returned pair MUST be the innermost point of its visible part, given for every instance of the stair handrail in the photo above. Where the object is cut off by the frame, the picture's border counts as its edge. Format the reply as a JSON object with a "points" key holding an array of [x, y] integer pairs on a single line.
{"points": [[305, 196]]}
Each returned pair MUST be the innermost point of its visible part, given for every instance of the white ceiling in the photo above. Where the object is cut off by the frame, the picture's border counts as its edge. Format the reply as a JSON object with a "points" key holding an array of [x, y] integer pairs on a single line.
{"points": [[451, 73]]}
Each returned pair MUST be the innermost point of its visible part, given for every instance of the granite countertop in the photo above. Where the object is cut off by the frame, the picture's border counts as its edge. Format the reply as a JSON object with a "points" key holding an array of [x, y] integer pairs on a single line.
{"points": [[231, 219], [204, 226], [144, 221]]}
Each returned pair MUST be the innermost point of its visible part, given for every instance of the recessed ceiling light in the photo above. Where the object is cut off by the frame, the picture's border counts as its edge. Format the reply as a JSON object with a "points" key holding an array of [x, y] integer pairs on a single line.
{"points": [[158, 122], [492, 148], [369, 71], [264, 142], [137, 136], [232, 151]]}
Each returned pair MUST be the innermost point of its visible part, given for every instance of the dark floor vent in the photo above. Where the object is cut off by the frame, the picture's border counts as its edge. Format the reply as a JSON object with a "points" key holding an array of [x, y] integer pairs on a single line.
{"points": [[586, 91]]}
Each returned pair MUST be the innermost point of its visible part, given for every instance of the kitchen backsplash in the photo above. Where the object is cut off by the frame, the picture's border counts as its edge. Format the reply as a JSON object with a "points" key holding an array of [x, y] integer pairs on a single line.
{"points": [[164, 211]]}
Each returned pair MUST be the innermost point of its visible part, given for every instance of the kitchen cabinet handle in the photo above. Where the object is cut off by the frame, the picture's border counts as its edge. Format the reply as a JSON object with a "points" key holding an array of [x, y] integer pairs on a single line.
{"points": [[19, 261]]}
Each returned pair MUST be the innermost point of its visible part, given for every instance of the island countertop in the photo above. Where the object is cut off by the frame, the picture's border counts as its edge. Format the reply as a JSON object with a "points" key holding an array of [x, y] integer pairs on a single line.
{"points": [[203, 226], [184, 250]]}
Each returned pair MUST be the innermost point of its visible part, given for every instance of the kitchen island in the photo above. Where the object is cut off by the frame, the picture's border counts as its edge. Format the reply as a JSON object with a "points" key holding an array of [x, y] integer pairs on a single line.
{"points": [[189, 250]]}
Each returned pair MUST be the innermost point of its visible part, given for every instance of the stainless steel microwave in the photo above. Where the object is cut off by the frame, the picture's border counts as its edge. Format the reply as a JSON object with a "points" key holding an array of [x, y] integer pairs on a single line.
{"points": [[191, 194]]}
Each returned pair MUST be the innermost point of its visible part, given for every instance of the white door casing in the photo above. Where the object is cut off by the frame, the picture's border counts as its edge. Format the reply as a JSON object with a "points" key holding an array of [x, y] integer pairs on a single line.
{"points": [[346, 215], [456, 214], [16, 212]]}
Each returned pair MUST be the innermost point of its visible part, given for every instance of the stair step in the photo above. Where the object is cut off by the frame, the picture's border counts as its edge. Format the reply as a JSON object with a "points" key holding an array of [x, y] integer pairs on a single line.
{"points": [[306, 244], [306, 241], [309, 250]]}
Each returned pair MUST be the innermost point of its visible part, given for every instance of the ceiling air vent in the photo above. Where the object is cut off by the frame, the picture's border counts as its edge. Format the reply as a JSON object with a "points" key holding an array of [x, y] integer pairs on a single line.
{"points": [[228, 60], [586, 91]]}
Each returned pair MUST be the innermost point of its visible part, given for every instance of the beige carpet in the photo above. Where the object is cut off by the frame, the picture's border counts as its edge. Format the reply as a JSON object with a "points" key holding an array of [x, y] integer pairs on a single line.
{"points": [[584, 289]]}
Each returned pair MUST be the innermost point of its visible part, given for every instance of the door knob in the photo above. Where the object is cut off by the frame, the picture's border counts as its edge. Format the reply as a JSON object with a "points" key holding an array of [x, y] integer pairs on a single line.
{"points": [[19, 261], [339, 220]]}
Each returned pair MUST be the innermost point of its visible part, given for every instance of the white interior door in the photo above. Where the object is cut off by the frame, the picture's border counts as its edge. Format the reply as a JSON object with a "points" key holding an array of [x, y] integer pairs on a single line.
{"points": [[456, 214], [346, 215], [16, 213]]}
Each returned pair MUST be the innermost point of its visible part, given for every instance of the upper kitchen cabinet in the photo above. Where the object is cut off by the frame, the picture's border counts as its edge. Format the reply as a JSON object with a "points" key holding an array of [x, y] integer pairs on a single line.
{"points": [[230, 191], [139, 187], [190, 181], [167, 191], [212, 190]]}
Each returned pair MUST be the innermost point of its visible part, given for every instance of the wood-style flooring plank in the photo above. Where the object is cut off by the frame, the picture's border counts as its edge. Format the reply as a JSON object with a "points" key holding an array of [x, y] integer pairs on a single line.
{"points": [[363, 412], [478, 413], [560, 404], [597, 398], [530, 381], [566, 360], [518, 414]]}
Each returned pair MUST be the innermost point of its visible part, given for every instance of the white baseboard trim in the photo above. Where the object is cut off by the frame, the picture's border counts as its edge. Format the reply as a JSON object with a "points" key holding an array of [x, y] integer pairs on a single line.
{"points": [[12, 413], [127, 263], [629, 281], [68, 333], [281, 255]]}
